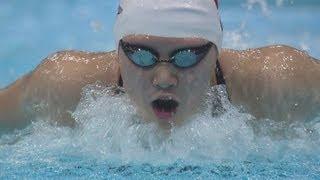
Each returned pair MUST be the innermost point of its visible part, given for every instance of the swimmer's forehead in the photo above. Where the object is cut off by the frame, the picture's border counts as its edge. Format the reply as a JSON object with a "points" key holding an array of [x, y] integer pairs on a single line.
{"points": [[154, 41]]}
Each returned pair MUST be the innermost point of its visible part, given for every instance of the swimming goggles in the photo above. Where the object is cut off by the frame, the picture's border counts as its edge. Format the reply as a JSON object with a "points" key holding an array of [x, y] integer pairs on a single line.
{"points": [[182, 58]]}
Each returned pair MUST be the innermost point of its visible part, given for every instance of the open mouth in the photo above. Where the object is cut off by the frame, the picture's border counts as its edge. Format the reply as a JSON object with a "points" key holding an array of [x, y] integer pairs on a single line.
{"points": [[165, 108]]}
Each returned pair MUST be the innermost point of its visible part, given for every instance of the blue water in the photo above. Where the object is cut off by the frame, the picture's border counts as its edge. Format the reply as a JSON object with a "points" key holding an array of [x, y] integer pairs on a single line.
{"points": [[29, 31], [105, 146]]}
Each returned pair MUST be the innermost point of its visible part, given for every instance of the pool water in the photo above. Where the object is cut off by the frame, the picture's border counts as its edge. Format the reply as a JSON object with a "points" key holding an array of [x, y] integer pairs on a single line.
{"points": [[111, 142]]}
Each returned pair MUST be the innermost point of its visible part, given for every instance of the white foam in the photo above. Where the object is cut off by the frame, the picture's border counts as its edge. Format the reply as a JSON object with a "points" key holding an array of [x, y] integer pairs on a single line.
{"points": [[112, 121], [109, 129]]}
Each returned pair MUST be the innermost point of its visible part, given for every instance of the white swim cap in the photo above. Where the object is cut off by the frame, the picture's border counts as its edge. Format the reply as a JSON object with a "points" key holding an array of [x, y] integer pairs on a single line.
{"points": [[169, 18]]}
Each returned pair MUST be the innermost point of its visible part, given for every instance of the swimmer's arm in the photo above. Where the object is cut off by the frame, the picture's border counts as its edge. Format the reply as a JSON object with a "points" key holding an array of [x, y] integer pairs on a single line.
{"points": [[276, 82], [53, 90], [11, 115]]}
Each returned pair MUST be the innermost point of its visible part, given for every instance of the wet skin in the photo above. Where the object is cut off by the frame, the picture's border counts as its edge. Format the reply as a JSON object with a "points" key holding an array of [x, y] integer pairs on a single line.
{"points": [[276, 82]]}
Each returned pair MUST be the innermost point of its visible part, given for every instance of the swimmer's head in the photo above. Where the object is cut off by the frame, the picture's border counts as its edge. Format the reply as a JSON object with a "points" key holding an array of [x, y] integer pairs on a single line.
{"points": [[167, 52], [169, 18]]}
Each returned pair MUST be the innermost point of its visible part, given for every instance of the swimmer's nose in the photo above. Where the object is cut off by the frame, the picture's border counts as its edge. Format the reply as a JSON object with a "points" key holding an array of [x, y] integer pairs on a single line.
{"points": [[164, 77]]}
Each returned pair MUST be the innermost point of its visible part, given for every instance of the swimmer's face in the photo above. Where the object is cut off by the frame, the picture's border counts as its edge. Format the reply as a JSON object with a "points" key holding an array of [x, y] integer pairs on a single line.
{"points": [[166, 93]]}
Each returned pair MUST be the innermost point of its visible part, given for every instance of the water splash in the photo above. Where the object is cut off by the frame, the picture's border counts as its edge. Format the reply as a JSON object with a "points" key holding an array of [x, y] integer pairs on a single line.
{"points": [[123, 133], [279, 3], [263, 4], [237, 38], [110, 130]]}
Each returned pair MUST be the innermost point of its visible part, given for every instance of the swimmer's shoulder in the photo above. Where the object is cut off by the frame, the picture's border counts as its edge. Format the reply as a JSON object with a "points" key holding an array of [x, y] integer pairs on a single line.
{"points": [[55, 87], [270, 57], [275, 52], [269, 82], [80, 66]]}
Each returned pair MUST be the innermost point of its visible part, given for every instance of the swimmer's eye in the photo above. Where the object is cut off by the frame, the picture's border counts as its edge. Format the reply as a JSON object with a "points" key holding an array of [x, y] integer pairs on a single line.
{"points": [[140, 56], [185, 58]]}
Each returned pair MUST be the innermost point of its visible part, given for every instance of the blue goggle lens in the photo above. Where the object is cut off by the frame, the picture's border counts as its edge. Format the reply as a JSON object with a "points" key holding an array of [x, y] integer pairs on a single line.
{"points": [[185, 59], [142, 58]]}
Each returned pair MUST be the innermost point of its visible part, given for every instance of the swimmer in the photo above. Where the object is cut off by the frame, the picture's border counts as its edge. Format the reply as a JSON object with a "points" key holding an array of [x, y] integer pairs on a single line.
{"points": [[167, 56]]}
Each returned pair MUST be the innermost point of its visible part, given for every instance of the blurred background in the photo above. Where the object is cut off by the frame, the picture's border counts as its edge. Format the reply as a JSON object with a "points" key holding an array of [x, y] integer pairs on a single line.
{"points": [[31, 30]]}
